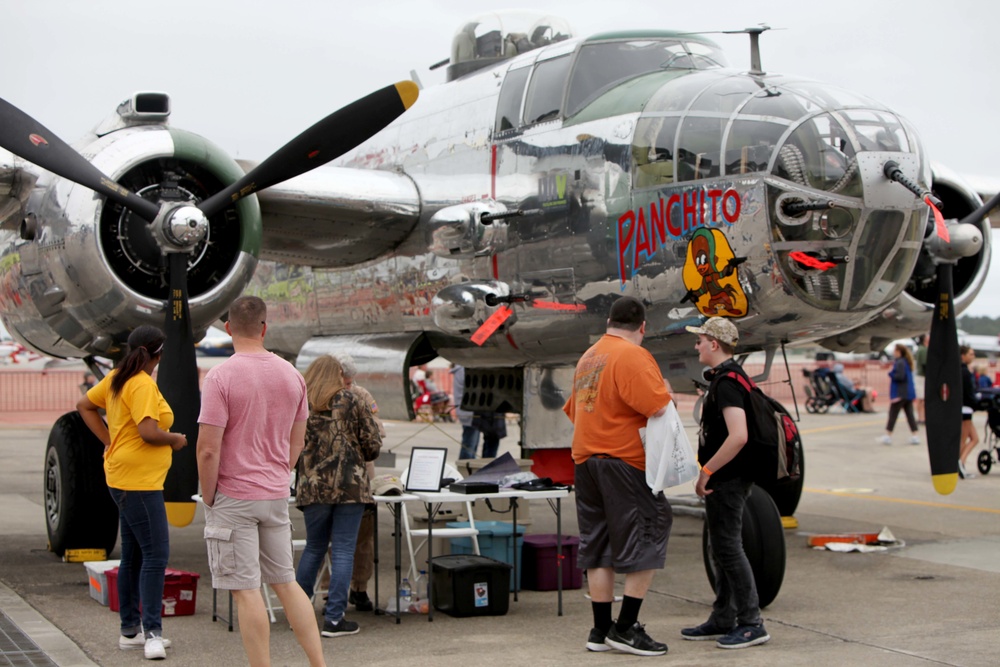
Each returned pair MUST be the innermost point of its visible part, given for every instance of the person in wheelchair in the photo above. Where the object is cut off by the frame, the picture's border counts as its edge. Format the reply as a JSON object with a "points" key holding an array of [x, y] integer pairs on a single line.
{"points": [[830, 386], [855, 399]]}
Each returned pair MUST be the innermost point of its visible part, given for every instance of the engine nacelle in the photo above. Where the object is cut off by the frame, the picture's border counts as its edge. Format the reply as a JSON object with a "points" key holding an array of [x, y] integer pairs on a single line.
{"points": [[82, 271]]}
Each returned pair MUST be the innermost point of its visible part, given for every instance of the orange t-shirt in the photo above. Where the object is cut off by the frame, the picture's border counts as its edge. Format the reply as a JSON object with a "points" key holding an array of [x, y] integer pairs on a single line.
{"points": [[616, 388]]}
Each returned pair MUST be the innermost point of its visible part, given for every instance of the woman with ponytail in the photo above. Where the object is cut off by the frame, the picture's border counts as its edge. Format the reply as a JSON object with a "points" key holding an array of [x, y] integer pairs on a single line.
{"points": [[138, 450]]}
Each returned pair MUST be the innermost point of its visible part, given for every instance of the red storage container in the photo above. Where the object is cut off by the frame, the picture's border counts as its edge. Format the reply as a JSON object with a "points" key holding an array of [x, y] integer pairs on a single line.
{"points": [[539, 564], [180, 592]]}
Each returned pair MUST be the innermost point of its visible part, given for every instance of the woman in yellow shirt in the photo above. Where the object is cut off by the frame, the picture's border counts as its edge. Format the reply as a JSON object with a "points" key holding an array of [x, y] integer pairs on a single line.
{"points": [[137, 456]]}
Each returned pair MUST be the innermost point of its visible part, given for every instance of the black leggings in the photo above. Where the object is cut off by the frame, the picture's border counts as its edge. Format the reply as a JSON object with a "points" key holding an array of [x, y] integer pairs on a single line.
{"points": [[894, 408]]}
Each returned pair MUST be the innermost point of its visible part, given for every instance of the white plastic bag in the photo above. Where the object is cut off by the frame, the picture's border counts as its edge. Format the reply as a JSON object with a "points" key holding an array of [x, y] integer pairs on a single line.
{"points": [[670, 460]]}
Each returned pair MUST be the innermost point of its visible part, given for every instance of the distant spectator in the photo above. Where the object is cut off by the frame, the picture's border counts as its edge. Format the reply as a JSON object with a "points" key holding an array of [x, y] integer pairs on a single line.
{"points": [[859, 397], [493, 426], [980, 376], [970, 439], [89, 382], [919, 378], [901, 394], [470, 434]]}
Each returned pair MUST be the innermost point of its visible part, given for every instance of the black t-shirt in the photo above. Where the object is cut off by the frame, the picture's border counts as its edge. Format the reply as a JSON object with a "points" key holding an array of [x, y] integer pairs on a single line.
{"points": [[725, 392]]}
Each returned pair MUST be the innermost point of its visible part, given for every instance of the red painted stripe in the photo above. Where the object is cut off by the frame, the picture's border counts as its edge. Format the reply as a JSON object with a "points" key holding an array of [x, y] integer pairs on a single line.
{"points": [[493, 172], [552, 305]]}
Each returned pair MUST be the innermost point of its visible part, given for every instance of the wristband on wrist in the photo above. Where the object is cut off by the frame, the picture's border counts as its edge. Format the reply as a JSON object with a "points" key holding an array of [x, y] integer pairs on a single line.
{"points": [[705, 470]]}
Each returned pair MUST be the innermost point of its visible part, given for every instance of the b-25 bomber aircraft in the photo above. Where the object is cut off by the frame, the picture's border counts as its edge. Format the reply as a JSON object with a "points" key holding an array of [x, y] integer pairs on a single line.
{"points": [[492, 224]]}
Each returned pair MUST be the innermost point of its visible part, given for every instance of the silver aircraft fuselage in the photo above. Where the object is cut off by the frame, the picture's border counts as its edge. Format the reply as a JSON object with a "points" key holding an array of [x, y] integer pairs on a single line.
{"points": [[622, 182]]}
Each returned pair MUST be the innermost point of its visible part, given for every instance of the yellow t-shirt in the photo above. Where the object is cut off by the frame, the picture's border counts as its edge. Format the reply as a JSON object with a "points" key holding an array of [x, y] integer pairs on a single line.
{"points": [[616, 387], [132, 464]]}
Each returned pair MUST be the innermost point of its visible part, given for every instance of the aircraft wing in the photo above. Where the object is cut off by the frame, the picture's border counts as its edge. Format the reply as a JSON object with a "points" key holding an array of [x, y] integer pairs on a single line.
{"points": [[337, 216]]}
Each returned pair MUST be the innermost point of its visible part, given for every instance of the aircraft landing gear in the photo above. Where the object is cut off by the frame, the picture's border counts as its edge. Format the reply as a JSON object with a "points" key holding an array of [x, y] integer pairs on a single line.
{"points": [[79, 511], [763, 542]]}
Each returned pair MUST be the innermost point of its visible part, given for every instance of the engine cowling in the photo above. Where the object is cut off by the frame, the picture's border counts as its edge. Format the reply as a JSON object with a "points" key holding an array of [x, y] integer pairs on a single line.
{"points": [[85, 271]]}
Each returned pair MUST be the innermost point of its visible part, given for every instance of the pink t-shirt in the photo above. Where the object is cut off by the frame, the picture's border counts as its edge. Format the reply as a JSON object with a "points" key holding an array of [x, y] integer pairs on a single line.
{"points": [[256, 398]]}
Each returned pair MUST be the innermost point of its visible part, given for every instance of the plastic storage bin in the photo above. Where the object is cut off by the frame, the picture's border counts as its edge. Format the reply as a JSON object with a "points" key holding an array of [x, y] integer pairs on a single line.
{"points": [[495, 541], [180, 592], [470, 585], [97, 575], [539, 571]]}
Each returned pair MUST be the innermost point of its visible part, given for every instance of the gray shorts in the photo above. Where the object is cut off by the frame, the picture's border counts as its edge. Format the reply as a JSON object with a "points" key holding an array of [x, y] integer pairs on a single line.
{"points": [[249, 542], [918, 384], [622, 524]]}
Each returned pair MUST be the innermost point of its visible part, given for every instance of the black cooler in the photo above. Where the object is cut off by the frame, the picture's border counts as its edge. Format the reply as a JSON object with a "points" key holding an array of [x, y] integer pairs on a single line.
{"points": [[470, 585]]}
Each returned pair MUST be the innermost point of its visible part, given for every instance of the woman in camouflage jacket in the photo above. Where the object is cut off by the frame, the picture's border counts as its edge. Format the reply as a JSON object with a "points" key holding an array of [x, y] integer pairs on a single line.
{"points": [[332, 486]]}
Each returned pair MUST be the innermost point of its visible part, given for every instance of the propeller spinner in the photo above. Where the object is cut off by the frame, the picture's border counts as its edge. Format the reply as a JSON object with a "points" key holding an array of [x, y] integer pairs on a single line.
{"points": [[178, 228]]}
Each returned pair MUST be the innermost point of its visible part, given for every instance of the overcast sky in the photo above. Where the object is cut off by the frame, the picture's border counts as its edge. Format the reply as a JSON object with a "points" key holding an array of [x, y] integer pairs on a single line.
{"points": [[250, 75]]}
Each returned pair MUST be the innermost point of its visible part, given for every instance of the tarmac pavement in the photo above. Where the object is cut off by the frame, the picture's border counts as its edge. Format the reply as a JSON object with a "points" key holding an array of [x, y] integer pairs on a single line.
{"points": [[930, 602]]}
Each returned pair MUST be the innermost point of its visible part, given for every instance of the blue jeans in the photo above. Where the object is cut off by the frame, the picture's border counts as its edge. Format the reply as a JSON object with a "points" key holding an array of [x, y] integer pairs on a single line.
{"points": [[470, 443], [340, 522], [736, 601], [145, 550]]}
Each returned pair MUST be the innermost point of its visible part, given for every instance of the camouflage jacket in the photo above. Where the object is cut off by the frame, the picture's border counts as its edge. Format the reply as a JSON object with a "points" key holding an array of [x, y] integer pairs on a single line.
{"points": [[331, 469]]}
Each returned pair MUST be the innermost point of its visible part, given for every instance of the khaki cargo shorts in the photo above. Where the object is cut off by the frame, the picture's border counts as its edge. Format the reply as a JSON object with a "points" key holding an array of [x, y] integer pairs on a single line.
{"points": [[249, 542]]}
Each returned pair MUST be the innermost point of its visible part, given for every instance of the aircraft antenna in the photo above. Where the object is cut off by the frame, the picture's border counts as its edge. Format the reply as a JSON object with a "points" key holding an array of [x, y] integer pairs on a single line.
{"points": [[755, 68]]}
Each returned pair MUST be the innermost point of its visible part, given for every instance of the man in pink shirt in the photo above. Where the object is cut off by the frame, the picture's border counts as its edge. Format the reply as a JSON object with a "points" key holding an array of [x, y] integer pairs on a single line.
{"points": [[253, 422]]}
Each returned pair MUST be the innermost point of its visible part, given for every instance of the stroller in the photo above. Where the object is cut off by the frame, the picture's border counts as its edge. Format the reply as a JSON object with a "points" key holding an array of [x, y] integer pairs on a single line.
{"points": [[824, 391], [990, 455]]}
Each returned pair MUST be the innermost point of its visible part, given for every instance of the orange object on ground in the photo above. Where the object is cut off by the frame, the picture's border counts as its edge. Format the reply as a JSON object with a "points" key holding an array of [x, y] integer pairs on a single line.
{"points": [[848, 538]]}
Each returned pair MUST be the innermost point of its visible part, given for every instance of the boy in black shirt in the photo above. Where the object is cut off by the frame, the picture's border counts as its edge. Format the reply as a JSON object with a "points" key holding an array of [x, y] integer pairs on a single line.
{"points": [[724, 483]]}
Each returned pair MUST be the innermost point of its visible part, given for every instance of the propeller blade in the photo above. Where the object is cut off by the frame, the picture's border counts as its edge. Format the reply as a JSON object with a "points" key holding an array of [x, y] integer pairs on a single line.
{"points": [[943, 387], [25, 137], [178, 382], [329, 138]]}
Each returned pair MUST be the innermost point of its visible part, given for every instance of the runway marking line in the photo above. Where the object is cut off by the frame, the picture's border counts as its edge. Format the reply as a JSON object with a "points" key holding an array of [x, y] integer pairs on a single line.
{"points": [[905, 501], [841, 427]]}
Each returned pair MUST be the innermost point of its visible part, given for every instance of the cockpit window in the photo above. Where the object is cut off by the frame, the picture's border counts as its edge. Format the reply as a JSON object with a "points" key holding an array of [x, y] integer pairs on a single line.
{"points": [[603, 65], [511, 95], [545, 91]]}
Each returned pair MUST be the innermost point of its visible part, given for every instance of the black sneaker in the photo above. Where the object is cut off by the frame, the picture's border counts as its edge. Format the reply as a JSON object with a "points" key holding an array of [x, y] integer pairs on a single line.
{"points": [[342, 628], [634, 640], [707, 630], [744, 636], [360, 600], [595, 642]]}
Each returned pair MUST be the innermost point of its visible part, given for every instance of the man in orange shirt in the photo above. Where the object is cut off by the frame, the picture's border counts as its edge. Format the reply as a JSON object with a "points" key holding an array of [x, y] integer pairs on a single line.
{"points": [[623, 527]]}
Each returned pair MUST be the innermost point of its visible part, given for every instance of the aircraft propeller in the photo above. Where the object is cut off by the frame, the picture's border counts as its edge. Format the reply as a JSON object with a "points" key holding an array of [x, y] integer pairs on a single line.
{"points": [[178, 228], [943, 380]]}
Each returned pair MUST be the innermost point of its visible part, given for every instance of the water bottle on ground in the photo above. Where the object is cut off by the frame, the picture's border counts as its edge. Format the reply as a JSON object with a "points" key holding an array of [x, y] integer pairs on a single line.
{"points": [[405, 595], [422, 586]]}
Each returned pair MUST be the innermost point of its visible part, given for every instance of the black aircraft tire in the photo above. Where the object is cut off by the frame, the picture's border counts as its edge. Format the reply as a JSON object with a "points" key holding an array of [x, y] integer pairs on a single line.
{"points": [[787, 492], [79, 511], [763, 543]]}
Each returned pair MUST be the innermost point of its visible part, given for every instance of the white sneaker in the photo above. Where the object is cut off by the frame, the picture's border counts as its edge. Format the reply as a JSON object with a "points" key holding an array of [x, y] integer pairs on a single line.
{"points": [[884, 439], [154, 648], [138, 642], [914, 440]]}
